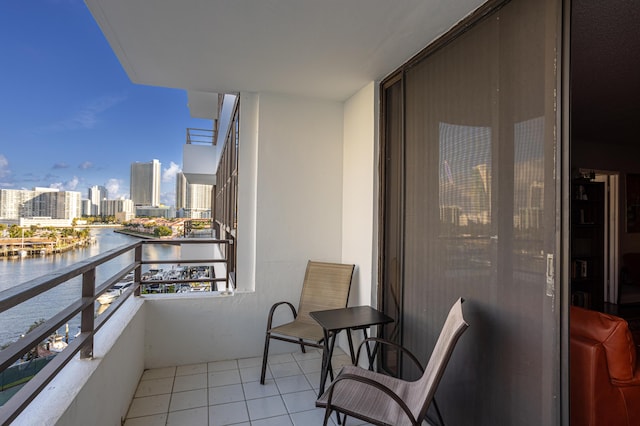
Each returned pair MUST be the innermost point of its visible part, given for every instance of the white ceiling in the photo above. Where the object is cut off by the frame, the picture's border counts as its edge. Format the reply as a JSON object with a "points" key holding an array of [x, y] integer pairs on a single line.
{"points": [[316, 48]]}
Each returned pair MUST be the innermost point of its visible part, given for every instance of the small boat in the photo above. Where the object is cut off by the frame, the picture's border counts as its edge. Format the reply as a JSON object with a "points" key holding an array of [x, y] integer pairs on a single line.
{"points": [[111, 294], [56, 343]]}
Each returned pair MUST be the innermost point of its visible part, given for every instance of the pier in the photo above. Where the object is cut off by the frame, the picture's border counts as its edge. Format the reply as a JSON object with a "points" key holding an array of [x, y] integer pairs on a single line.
{"points": [[39, 246]]}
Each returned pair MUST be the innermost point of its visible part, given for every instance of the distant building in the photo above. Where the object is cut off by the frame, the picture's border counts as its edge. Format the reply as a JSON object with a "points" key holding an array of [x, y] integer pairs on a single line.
{"points": [[96, 194], [112, 207], [145, 183], [193, 200], [47, 206], [85, 207], [151, 211]]}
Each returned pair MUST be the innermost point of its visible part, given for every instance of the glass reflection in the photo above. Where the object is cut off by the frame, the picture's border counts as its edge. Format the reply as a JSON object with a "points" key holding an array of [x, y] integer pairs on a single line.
{"points": [[465, 199], [465, 180], [528, 199]]}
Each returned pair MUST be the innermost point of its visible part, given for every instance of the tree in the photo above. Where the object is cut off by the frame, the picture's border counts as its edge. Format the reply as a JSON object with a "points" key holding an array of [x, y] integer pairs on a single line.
{"points": [[15, 231], [162, 231]]}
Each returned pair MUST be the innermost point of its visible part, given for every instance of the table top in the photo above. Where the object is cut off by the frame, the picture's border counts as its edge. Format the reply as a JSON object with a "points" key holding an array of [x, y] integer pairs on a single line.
{"points": [[353, 317]]}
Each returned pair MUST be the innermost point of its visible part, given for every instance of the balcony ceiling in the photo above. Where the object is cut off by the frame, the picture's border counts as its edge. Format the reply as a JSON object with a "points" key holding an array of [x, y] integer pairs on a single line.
{"points": [[324, 48]]}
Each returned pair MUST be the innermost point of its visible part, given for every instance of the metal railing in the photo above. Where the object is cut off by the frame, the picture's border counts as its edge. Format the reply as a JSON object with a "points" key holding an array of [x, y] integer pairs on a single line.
{"points": [[201, 136], [85, 306]]}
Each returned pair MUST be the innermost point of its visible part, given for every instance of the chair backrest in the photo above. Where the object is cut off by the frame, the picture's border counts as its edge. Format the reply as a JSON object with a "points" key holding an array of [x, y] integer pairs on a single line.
{"points": [[326, 286], [612, 333], [426, 386]]}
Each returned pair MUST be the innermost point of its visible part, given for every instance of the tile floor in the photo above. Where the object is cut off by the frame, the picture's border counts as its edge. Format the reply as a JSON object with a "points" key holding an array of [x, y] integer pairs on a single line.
{"points": [[230, 393]]}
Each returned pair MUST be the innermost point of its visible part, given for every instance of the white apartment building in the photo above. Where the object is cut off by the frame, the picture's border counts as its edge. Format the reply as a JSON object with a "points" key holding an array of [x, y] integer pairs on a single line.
{"points": [[113, 207], [96, 194], [46, 204], [145, 183], [85, 207], [193, 200]]}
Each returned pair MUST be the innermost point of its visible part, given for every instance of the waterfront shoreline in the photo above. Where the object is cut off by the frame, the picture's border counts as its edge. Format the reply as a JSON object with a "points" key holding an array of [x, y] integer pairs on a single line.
{"points": [[135, 234]]}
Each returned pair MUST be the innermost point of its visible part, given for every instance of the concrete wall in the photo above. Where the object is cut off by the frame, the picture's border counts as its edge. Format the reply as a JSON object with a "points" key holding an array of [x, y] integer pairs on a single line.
{"points": [[188, 329], [97, 391], [359, 200]]}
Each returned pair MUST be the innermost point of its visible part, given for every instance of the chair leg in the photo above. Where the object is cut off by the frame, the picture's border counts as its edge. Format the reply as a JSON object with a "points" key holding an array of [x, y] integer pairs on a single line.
{"points": [[327, 415], [264, 357], [304, 351], [435, 405]]}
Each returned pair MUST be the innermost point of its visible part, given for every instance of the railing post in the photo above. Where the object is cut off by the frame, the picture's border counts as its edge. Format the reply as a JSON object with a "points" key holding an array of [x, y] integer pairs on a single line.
{"points": [[87, 315], [137, 275], [228, 259]]}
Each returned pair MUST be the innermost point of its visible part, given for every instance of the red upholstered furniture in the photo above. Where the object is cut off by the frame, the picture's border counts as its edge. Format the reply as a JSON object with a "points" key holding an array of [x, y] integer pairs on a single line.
{"points": [[604, 370]]}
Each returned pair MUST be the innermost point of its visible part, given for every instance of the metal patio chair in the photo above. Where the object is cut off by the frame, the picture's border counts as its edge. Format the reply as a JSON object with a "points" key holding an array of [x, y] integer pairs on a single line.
{"points": [[325, 286], [384, 400]]}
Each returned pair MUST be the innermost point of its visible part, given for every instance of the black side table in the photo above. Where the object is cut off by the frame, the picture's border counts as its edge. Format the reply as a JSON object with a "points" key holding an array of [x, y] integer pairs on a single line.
{"points": [[335, 320]]}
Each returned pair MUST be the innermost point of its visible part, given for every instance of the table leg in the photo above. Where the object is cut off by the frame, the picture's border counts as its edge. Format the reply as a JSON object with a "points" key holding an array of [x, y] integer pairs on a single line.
{"points": [[327, 351], [353, 355]]}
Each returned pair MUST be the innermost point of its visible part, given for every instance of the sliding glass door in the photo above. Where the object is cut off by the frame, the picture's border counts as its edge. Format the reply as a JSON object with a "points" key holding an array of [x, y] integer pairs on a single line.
{"points": [[469, 210]]}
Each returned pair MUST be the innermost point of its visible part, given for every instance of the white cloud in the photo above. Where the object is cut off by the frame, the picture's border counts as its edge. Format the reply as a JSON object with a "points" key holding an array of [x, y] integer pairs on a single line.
{"points": [[69, 185], [86, 117], [169, 174], [113, 188], [86, 165], [168, 198], [4, 166]]}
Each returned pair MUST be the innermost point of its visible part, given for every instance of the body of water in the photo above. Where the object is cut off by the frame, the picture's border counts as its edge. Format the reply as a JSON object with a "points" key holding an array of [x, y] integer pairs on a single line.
{"points": [[13, 272]]}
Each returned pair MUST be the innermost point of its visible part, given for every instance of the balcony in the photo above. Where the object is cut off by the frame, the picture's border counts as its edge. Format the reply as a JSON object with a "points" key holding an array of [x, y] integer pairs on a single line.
{"points": [[160, 357], [200, 156]]}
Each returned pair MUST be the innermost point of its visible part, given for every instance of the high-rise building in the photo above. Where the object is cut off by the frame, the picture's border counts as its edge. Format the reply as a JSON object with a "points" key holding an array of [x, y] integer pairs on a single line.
{"points": [[111, 207], [192, 199], [96, 194], [85, 207], [43, 203], [145, 183]]}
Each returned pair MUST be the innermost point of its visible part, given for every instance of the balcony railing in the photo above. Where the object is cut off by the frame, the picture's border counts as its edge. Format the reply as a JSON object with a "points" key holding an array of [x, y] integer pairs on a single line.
{"points": [[85, 305], [201, 136]]}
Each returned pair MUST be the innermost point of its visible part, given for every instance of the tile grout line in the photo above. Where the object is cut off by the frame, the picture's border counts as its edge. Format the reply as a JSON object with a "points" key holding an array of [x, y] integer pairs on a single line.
{"points": [[173, 384]]}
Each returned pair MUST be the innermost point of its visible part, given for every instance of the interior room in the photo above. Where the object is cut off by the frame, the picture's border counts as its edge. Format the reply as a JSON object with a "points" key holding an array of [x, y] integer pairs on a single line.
{"points": [[605, 64], [604, 232]]}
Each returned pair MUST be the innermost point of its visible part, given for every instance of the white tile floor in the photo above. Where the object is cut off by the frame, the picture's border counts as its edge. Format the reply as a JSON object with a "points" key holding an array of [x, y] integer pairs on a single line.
{"points": [[229, 393]]}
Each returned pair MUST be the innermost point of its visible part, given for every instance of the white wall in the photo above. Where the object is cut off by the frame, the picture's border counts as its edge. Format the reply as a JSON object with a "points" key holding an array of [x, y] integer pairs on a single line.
{"points": [[359, 242], [188, 329], [247, 187], [295, 192]]}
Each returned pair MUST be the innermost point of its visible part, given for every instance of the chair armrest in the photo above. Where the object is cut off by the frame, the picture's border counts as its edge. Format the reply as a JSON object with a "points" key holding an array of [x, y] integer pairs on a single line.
{"points": [[378, 341], [273, 309], [372, 383]]}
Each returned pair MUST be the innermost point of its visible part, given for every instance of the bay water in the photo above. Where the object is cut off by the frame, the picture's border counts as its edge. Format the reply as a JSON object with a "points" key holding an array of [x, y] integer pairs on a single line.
{"points": [[16, 321]]}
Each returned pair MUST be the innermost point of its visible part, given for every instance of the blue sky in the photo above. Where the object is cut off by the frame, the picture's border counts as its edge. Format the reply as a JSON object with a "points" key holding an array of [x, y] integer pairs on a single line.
{"points": [[70, 117]]}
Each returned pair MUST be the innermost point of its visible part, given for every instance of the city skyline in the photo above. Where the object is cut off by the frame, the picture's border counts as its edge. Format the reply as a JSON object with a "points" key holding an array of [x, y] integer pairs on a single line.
{"points": [[70, 118]]}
